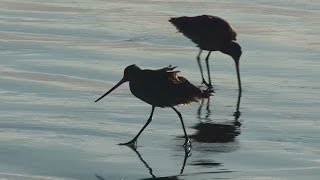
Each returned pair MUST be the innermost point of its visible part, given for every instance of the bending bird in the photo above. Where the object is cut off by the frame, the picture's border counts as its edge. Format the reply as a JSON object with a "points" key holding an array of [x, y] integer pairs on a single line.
{"points": [[210, 33]]}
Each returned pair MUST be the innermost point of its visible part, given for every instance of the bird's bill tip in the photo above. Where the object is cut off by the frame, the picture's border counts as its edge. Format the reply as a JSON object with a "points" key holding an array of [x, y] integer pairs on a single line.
{"points": [[113, 88]]}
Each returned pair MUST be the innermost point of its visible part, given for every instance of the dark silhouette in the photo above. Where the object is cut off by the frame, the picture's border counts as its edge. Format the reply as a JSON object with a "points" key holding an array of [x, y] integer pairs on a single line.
{"points": [[165, 178], [160, 88], [143, 161], [186, 155], [209, 132], [210, 33], [150, 169], [206, 163], [237, 113]]}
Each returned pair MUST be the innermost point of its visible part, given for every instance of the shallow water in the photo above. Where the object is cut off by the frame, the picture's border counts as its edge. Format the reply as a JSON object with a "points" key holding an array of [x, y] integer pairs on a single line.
{"points": [[57, 57]]}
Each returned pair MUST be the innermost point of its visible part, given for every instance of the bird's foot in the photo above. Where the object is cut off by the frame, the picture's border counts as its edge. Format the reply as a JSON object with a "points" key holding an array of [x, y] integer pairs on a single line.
{"points": [[209, 86], [187, 143], [204, 82], [237, 114], [187, 147], [132, 143]]}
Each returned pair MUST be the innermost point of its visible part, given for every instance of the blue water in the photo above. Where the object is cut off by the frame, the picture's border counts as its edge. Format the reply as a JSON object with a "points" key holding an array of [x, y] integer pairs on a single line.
{"points": [[58, 56]]}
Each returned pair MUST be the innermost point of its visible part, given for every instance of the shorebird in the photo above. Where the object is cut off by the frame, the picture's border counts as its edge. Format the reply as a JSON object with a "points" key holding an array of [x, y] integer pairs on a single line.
{"points": [[210, 33], [159, 88]]}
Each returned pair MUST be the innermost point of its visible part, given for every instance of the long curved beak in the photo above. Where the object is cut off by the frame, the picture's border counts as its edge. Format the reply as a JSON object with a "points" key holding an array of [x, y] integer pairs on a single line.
{"points": [[238, 74], [113, 88]]}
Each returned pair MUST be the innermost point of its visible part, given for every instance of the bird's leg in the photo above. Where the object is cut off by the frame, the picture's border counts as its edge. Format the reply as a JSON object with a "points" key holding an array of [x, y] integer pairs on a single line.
{"points": [[187, 142], [209, 77], [133, 141], [200, 67]]}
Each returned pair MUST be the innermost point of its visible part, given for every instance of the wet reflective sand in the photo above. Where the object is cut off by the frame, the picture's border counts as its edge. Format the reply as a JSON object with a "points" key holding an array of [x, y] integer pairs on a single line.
{"points": [[57, 57]]}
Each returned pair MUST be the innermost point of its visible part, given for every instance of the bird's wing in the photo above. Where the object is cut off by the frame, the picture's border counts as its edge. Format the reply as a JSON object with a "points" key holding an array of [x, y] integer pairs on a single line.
{"points": [[205, 30], [170, 89]]}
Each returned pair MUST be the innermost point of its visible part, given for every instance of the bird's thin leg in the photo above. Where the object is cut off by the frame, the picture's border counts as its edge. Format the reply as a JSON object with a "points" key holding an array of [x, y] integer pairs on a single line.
{"points": [[133, 141], [208, 68], [187, 141], [200, 67]]}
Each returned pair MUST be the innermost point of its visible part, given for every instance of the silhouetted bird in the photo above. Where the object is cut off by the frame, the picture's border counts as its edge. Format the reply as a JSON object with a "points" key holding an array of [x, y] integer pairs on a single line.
{"points": [[210, 33], [159, 88]]}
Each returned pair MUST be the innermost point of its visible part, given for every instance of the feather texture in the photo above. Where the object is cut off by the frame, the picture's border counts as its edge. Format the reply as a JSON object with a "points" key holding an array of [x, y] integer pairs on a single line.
{"points": [[208, 32], [164, 88]]}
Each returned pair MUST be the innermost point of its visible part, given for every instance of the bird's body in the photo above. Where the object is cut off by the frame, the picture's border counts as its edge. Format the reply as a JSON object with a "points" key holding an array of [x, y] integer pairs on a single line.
{"points": [[159, 88], [210, 33], [163, 88]]}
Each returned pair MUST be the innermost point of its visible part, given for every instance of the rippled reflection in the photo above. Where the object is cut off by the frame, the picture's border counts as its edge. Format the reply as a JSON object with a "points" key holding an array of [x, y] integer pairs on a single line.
{"points": [[150, 170], [212, 137], [208, 131]]}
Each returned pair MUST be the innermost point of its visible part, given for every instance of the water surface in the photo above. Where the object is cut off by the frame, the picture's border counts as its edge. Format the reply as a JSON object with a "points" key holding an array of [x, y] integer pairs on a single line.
{"points": [[57, 57]]}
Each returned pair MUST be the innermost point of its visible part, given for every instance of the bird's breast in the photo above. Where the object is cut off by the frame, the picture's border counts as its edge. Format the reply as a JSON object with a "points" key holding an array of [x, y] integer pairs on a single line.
{"points": [[147, 92]]}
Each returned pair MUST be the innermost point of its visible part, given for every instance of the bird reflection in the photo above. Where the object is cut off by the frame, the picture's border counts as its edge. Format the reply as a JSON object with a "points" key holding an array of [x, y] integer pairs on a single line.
{"points": [[210, 132], [133, 148], [187, 154], [237, 113], [166, 178], [143, 161]]}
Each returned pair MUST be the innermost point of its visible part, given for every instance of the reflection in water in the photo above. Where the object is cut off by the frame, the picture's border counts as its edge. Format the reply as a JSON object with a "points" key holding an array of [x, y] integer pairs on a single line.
{"points": [[206, 163], [237, 113], [143, 161], [215, 137], [210, 132], [166, 178], [187, 154], [207, 132]]}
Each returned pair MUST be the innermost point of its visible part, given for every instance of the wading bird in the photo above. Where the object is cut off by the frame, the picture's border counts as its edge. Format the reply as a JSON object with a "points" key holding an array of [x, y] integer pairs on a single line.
{"points": [[159, 88], [210, 33]]}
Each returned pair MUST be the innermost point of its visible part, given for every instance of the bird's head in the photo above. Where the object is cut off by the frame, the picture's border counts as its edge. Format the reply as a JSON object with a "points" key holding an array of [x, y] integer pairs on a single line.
{"points": [[129, 74], [234, 50]]}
